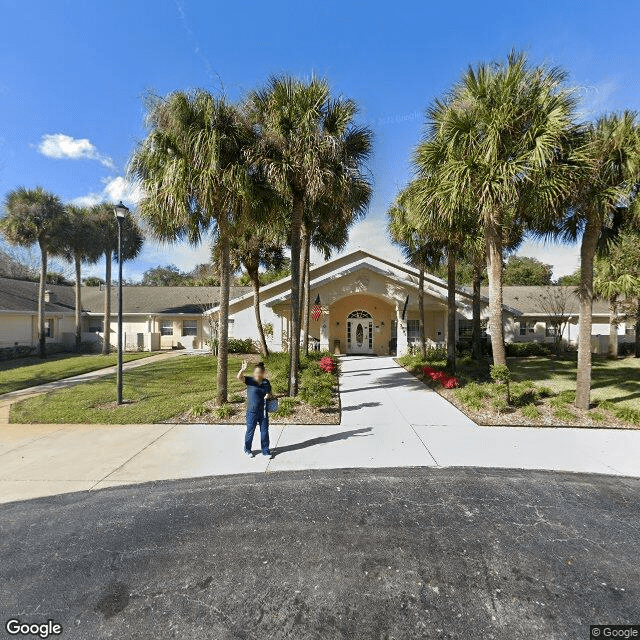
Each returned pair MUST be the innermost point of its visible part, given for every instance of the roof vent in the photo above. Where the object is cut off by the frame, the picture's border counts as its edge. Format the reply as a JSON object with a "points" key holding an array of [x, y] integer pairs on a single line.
{"points": [[49, 296]]}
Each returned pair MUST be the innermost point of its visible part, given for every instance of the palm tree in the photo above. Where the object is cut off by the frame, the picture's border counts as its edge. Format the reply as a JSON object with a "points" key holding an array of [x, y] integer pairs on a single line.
{"points": [[604, 198], [35, 216], [491, 144], [103, 219], [81, 245], [252, 248], [308, 147], [420, 250], [193, 170]]}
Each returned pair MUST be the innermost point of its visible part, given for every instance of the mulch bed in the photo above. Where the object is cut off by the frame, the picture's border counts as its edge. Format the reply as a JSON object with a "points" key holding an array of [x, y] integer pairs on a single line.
{"points": [[510, 417], [302, 414]]}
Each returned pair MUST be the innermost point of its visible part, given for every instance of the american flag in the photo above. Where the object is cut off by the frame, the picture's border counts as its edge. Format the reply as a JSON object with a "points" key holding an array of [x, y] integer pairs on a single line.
{"points": [[316, 312]]}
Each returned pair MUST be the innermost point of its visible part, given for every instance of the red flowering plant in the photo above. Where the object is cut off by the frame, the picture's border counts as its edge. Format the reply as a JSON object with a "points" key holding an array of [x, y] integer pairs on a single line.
{"points": [[447, 381], [328, 364]]}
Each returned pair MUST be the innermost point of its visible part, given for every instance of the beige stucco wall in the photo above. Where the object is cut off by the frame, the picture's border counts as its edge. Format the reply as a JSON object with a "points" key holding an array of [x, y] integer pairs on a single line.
{"points": [[381, 311]]}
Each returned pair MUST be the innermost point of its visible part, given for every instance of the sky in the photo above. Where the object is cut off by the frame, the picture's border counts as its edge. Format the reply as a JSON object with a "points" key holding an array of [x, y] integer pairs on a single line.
{"points": [[73, 76]]}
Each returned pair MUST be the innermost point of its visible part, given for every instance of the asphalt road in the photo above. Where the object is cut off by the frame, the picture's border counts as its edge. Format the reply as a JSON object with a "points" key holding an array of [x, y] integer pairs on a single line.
{"points": [[363, 554]]}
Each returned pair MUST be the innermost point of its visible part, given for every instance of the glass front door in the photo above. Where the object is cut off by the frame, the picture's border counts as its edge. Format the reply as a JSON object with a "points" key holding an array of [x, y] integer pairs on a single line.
{"points": [[359, 332]]}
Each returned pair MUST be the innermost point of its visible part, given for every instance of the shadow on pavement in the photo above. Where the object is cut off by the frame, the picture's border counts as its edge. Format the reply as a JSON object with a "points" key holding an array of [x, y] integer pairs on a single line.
{"points": [[334, 437]]}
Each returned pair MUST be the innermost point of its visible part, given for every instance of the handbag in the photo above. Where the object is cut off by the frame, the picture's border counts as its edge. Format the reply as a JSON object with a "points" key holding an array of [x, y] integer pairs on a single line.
{"points": [[272, 405]]}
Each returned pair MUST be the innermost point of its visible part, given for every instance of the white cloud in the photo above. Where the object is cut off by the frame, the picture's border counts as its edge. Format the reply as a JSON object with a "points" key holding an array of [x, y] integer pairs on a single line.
{"points": [[61, 146], [115, 189], [369, 235]]}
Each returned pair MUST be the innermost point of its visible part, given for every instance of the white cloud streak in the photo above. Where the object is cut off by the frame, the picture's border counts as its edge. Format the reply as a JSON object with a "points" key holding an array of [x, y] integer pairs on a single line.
{"points": [[63, 147], [115, 189]]}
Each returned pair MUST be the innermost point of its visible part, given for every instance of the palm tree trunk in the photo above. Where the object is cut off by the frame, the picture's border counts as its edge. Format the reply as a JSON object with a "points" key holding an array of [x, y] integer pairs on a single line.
{"points": [[613, 326], [423, 339], [42, 341], [106, 322], [637, 342], [476, 328], [493, 236], [306, 302], [451, 311], [223, 314], [255, 283], [294, 342], [78, 263], [587, 253]]}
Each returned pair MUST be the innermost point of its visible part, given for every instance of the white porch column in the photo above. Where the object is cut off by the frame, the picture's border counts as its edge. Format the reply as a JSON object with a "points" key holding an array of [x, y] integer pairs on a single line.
{"points": [[324, 330], [402, 343]]}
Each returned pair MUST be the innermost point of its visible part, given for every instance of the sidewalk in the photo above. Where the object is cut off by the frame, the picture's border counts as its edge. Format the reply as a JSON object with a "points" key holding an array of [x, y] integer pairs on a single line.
{"points": [[389, 419]]}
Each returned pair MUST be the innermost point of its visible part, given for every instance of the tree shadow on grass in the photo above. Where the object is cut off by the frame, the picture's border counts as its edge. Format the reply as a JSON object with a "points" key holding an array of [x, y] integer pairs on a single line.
{"points": [[334, 437]]}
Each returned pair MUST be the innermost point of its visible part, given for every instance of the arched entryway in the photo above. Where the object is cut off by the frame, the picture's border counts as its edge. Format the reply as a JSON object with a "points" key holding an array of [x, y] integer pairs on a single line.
{"points": [[359, 332]]}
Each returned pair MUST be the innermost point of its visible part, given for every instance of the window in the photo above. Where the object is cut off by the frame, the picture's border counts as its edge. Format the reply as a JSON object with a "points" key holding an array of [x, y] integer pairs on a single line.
{"points": [[394, 328], [465, 328], [190, 328], [527, 327], [550, 330], [95, 325], [48, 328], [413, 330], [166, 327]]}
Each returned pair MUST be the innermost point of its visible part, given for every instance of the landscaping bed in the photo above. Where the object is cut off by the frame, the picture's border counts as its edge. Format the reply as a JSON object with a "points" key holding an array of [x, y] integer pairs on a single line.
{"points": [[541, 393], [317, 403]]}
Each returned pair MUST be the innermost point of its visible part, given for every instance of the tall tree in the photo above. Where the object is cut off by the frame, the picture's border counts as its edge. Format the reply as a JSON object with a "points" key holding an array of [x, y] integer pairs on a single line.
{"points": [[308, 146], [603, 199], [103, 216], [490, 146], [523, 270], [253, 248], [420, 250], [617, 279], [193, 169], [35, 216], [81, 244]]}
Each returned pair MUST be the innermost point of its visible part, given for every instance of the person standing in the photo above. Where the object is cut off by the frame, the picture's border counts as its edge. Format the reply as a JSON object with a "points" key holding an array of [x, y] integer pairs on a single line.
{"points": [[258, 392]]}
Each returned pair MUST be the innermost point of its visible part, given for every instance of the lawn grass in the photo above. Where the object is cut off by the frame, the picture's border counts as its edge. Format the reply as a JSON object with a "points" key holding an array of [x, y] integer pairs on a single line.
{"points": [[614, 380], [30, 372], [158, 391]]}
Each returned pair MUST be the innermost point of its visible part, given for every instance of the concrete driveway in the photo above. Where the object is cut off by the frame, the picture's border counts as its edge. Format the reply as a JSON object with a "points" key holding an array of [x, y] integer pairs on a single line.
{"points": [[389, 419]]}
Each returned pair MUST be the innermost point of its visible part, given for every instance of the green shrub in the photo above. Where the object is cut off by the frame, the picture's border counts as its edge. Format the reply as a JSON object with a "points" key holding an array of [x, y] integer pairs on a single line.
{"points": [[545, 392], [237, 345], [473, 395], [317, 398], [606, 405], [597, 416], [224, 411], [526, 349], [436, 353], [198, 410], [564, 414], [531, 411], [500, 373], [627, 414], [499, 404], [236, 397], [285, 407]]}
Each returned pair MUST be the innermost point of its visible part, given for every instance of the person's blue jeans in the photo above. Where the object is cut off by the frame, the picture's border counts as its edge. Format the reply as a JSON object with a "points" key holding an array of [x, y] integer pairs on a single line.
{"points": [[254, 418]]}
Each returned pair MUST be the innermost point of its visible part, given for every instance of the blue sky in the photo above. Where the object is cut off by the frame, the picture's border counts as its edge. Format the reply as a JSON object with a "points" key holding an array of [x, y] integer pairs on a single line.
{"points": [[73, 74]]}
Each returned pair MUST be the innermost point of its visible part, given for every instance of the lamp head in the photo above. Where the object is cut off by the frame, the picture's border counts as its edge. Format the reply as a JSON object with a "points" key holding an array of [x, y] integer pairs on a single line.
{"points": [[121, 210]]}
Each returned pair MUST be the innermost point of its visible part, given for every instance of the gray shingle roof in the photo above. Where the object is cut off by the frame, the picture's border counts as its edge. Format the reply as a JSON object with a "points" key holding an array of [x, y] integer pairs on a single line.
{"points": [[22, 295], [527, 299]]}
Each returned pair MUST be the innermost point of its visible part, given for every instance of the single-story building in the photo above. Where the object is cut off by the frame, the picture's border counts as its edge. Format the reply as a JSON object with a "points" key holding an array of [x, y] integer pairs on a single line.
{"points": [[361, 303]]}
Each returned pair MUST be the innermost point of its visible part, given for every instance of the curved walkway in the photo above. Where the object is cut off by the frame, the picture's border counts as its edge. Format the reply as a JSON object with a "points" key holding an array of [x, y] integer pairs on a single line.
{"points": [[389, 419]]}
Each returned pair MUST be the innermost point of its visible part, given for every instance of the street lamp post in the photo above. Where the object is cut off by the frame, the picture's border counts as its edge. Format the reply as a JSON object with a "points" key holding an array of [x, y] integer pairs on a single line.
{"points": [[121, 212]]}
